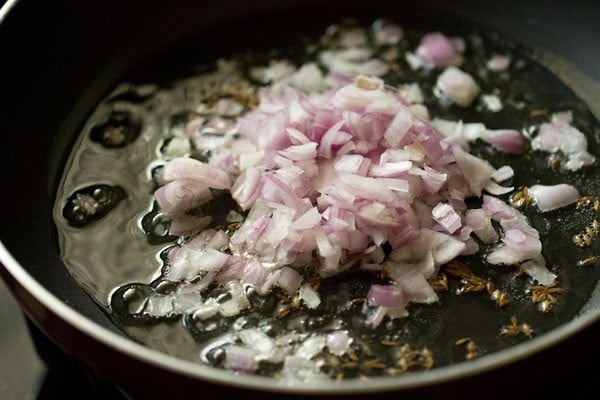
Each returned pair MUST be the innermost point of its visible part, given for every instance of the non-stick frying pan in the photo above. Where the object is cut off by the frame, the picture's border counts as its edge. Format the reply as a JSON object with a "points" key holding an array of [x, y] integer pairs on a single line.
{"points": [[60, 58]]}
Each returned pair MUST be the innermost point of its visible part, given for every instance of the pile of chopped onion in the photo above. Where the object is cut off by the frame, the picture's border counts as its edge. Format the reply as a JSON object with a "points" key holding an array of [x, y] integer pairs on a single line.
{"points": [[331, 170], [328, 180]]}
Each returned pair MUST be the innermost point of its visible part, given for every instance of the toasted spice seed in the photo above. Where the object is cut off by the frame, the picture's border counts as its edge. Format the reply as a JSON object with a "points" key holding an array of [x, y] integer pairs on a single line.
{"points": [[358, 300], [365, 348], [597, 205], [314, 282], [374, 364], [456, 268], [520, 271], [473, 283], [366, 83], [526, 329], [394, 371], [554, 161], [284, 313], [352, 355], [501, 298], [587, 261], [582, 240], [409, 358], [471, 351], [545, 296], [233, 226], [470, 347], [515, 329], [428, 361], [522, 198], [333, 360], [585, 201], [439, 283], [470, 287], [389, 343], [296, 301], [348, 365], [596, 226], [540, 112], [544, 306], [282, 297], [590, 231]]}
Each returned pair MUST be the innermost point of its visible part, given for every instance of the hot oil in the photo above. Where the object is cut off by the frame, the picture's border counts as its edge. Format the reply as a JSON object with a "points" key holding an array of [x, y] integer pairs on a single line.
{"points": [[119, 255]]}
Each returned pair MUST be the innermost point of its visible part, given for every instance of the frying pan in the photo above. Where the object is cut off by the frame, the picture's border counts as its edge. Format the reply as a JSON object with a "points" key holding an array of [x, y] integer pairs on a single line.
{"points": [[60, 58]]}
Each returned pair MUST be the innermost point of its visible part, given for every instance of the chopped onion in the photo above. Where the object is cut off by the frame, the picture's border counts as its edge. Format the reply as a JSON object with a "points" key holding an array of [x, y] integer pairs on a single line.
{"points": [[560, 135], [309, 296], [437, 50], [338, 342], [498, 62], [240, 359], [458, 86], [340, 174], [387, 296], [548, 198]]}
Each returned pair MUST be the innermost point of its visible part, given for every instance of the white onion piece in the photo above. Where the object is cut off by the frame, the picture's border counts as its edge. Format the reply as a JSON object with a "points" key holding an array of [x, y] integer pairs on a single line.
{"points": [[481, 225], [506, 140], [560, 135], [338, 342], [521, 243], [417, 288], [458, 86], [289, 280], [206, 310], [352, 61], [299, 370], [503, 173], [518, 247], [177, 147], [188, 168], [159, 306], [400, 264], [445, 215], [227, 108], [274, 72], [498, 62], [437, 50], [578, 160], [190, 263], [309, 79], [258, 341], [311, 347], [492, 102], [240, 359], [477, 171], [309, 296], [390, 296], [411, 92], [238, 302], [181, 195], [538, 271], [388, 34], [548, 198]]}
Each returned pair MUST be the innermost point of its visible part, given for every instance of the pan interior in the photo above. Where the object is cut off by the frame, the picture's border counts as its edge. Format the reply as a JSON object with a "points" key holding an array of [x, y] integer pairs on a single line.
{"points": [[106, 263]]}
